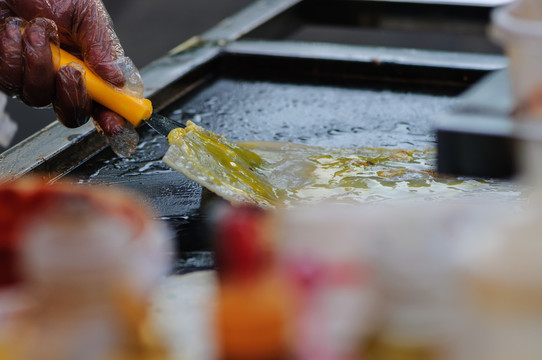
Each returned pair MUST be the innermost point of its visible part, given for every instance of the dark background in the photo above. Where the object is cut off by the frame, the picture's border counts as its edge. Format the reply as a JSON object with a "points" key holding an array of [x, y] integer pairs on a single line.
{"points": [[147, 30]]}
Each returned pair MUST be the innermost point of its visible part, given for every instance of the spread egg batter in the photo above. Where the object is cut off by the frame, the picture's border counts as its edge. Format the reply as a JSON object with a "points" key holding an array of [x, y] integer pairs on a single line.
{"points": [[271, 174]]}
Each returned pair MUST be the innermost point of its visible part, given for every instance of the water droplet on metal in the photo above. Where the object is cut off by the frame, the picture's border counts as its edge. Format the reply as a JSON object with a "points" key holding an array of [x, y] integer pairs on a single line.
{"points": [[335, 132], [357, 129]]}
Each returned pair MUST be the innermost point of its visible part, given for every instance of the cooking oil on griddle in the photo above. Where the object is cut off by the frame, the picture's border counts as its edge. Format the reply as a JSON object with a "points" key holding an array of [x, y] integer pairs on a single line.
{"points": [[315, 115], [271, 174]]}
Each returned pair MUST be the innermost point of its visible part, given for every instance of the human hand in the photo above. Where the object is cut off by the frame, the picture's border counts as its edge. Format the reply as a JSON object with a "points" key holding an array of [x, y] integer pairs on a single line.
{"points": [[82, 28]]}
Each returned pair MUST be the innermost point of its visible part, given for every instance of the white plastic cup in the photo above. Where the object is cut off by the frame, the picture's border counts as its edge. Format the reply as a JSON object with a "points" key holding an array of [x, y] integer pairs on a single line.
{"points": [[518, 28]]}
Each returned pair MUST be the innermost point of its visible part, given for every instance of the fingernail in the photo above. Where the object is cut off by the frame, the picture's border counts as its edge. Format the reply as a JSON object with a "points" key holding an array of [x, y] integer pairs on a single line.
{"points": [[37, 38], [13, 28], [112, 124], [13, 31], [15, 21]]}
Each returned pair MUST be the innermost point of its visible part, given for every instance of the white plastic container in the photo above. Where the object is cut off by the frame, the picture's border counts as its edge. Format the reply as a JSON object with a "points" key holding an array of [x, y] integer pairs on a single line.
{"points": [[518, 28], [501, 277]]}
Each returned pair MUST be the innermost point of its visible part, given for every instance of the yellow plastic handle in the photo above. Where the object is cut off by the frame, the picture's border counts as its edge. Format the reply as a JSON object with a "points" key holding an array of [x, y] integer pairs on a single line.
{"points": [[132, 108]]}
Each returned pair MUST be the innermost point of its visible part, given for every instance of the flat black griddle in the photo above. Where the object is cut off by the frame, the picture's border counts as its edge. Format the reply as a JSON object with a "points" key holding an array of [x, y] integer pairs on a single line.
{"points": [[275, 89]]}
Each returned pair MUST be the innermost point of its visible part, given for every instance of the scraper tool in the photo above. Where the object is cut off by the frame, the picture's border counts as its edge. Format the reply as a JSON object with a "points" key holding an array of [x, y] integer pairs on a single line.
{"points": [[134, 109]]}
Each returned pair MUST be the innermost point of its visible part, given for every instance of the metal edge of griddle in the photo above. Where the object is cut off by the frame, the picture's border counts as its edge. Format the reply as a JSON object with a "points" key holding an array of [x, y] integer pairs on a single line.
{"points": [[40, 147], [340, 52], [319, 63]]}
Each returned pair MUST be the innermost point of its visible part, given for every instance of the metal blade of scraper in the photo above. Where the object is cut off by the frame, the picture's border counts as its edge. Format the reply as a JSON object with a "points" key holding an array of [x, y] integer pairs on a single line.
{"points": [[162, 124]]}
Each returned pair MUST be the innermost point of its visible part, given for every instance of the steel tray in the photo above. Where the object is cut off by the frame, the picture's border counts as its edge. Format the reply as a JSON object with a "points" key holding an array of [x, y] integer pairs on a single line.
{"points": [[318, 94], [313, 93]]}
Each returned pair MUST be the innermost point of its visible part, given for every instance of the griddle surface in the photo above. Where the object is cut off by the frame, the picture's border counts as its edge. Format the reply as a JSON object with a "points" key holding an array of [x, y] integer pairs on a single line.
{"points": [[244, 110], [247, 110], [315, 115]]}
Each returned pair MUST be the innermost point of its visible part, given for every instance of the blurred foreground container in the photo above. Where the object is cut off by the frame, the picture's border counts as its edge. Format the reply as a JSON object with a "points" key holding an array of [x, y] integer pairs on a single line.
{"points": [[386, 282], [85, 261]]}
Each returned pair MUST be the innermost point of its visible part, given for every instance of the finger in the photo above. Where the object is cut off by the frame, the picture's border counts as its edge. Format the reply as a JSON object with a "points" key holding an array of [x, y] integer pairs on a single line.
{"points": [[109, 122], [121, 135], [72, 103], [11, 61], [39, 74], [60, 11], [99, 44]]}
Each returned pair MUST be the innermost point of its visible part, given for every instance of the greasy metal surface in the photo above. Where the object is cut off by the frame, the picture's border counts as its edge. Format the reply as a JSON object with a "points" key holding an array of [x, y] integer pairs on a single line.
{"points": [[394, 108], [56, 150], [264, 110], [320, 94], [315, 115], [171, 193], [392, 100]]}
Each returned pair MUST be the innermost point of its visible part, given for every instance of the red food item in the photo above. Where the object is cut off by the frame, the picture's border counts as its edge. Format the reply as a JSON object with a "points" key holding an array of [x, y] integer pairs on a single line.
{"points": [[253, 304], [22, 201], [241, 250], [13, 202]]}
